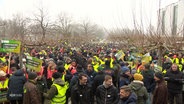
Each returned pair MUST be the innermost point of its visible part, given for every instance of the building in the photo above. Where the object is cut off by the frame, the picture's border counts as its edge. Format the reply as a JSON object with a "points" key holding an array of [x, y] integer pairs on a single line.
{"points": [[171, 19]]}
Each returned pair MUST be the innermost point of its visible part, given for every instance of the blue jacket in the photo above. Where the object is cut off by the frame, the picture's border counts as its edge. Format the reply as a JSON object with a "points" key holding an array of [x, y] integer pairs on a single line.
{"points": [[132, 99], [15, 85]]}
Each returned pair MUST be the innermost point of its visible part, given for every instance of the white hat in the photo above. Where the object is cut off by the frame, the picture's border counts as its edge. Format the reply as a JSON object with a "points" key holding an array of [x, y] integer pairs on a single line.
{"points": [[2, 73], [23, 60]]}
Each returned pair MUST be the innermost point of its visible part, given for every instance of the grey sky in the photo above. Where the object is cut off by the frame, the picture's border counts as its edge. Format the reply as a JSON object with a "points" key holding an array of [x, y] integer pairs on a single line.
{"points": [[107, 13]]}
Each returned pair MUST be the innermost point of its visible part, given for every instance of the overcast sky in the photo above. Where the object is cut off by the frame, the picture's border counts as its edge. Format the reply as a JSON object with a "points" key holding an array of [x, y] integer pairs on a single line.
{"points": [[107, 13]]}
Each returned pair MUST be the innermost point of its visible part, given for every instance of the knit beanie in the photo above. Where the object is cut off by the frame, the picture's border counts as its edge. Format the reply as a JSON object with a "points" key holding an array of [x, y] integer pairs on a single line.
{"points": [[32, 75], [159, 75], [138, 77], [124, 69]]}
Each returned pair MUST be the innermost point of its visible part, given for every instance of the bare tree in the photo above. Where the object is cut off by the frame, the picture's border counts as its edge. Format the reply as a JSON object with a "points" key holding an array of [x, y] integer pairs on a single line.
{"points": [[64, 24], [87, 28], [42, 21], [3, 24], [15, 28]]}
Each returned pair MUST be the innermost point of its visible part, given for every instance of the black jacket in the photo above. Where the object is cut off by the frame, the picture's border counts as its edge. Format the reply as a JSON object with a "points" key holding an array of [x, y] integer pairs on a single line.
{"points": [[107, 95], [91, 75], [82, 94], [98, 80], [148, 80], [174, 81], [15, 86]]}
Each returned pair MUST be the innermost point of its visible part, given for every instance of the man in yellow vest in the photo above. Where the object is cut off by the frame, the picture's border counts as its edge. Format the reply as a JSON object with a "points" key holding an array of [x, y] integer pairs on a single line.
{"points": [[57, 92]]}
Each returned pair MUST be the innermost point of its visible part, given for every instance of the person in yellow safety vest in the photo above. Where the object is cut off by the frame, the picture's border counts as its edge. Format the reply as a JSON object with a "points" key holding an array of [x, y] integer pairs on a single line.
{"points": [[175, 59], [66, 76], [57, 92], [166, 65], [3, 87], [95, 63], [68, 63], [181, 62], [111, 61], [3, 81], [178, 61]]}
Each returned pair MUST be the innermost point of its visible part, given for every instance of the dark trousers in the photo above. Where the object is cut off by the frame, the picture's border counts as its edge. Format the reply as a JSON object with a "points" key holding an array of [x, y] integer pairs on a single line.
{"points": [[177, 97], [16, 102], [183, 95]]}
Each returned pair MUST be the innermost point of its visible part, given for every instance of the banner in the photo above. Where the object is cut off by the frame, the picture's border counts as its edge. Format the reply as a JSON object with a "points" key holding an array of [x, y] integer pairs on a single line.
{"points": [[34, 63], [120, 55], [10, 46], [146, 58], [2, 50]]}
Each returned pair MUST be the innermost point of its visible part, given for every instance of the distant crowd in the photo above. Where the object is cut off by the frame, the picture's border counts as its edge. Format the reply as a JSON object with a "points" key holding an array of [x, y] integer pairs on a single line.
{"points": [[91, 75]]}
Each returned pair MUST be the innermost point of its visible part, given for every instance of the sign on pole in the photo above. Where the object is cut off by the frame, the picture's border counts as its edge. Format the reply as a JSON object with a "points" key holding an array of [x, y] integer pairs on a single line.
{"points": [[120, 55], [33, 63], [10, 46]]}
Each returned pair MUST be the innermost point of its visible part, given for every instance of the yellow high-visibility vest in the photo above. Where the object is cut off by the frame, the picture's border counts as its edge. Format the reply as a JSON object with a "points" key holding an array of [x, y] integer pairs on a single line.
{"points": [[60, 98], [4, 84]]}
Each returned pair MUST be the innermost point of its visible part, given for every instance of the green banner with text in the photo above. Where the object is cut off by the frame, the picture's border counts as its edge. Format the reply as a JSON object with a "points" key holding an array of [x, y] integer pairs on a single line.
{"points": [[10, 46], [33, 63]]}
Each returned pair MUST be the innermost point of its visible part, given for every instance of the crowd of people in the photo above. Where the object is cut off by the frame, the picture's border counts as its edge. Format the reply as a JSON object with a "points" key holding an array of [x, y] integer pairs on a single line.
{"points": [[91, 75]]}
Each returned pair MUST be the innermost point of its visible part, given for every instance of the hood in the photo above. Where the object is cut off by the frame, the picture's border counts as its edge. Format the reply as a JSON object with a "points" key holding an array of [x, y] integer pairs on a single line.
{"points": [[132, 97], [136, 85], [59, 82], [19, 73]]}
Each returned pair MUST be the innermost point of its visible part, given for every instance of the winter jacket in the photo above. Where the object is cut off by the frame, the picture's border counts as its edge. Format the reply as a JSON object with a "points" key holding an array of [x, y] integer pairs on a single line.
{"points": [[132, 99], [82, 94], [174, 81], [98, 80], [15, 86], [148, 80], [53, 91], [140, 91], [91, 75], [107, 95], [31, 93], [160, 95]]}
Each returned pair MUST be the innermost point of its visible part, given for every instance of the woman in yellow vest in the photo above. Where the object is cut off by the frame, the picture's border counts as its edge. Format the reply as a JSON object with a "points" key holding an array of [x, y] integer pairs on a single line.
{"points": [[57, 92]]}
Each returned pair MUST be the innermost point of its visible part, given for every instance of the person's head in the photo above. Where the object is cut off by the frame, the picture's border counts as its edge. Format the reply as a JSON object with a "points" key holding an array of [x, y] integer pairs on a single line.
{"points": [[125, 70], [158, 76], [24, 60], [60, 69], [74, 63], [68, 60], [2, 74], [125, 91], [108, 81], [174, 67], [14, 69], [90, 67], [32, 76], [52, 65], [12, 61], [107, 63], [56, 75], [146, 67], [138, 76], [83, 78]]}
